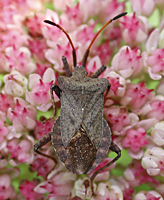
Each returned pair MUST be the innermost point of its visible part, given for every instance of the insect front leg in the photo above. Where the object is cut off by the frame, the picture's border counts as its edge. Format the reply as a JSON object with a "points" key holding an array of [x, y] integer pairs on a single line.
{"points": [[41, 143], [113, 147]]}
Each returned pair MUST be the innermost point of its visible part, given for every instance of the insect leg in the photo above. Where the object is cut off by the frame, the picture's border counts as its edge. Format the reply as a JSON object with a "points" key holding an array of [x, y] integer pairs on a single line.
{"points": [[57, 90], [99, 72], [113, 147], [66, 67], [41, 143]]}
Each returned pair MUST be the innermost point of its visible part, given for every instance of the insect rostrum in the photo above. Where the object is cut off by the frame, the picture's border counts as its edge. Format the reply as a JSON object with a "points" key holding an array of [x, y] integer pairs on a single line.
{"points": [[81, 136]]}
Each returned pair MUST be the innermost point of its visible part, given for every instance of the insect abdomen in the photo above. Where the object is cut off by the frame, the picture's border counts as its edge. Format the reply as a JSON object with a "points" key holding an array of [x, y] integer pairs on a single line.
{"points": [[82, 152]]}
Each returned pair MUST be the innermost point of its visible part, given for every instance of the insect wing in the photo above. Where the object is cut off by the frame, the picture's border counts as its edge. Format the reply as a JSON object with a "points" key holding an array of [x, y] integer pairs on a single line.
{"points": [[93, 118], [71, 116]]}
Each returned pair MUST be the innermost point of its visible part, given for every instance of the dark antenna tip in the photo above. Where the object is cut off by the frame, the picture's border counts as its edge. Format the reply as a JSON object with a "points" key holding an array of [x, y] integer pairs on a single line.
{"points": [[50, 22], [120, 15]]}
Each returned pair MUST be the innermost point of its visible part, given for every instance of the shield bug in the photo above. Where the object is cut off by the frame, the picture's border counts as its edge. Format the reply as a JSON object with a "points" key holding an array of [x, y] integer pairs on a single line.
{"points": [[81, 136]]}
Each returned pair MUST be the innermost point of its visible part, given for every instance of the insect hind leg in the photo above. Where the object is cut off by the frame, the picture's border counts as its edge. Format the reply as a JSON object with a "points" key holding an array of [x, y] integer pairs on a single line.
{"points": [[113, 147]]}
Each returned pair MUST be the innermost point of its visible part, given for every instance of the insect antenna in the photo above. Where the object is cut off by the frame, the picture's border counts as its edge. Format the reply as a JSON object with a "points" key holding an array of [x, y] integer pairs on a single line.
{"points": [[88, 49], [73, 48]]}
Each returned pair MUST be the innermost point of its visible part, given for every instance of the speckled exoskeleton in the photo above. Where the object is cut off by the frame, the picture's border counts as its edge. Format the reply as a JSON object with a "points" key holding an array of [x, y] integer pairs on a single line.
{"points": [[81, 136]]}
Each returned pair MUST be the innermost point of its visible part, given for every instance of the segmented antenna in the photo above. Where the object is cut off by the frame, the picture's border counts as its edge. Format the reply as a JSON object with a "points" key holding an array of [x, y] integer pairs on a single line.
{"points": [[73, 48], [88, 49], [84, 60]]}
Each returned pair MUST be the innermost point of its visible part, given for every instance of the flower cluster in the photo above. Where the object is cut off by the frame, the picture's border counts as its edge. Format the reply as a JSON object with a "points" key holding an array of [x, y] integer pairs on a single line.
{"points": [[131, 47]]}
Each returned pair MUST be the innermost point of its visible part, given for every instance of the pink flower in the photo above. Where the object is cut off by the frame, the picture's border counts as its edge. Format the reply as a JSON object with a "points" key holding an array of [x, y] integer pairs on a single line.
{"points": [[21, 150], [134, 140], [157, 134], [39, 94], [156, 64], [72, 17], [104, 175], [6, 189], [148, 195], [111, 9], [119, 119], [19, 59], [27, 190], [153, 161], [13, 37], [6, 101], [135, 29], [127, 62], [143, 7], [136, 95], [42, 165], [34, 24], [15, 83], [42, 129], [23, 115], [156, 109], [61, 5], [59, 185], [137, 175], [118, 85], [41, 68], [38, 48], [106, 190]]}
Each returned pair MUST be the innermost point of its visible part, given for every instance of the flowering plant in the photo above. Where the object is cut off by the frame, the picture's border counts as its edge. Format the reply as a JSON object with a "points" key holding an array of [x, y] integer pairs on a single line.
{"points": [[132, 48]]}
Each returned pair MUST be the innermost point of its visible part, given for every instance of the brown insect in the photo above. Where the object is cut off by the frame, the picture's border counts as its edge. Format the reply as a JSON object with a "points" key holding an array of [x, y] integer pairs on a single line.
{"points": [[81, 136]]}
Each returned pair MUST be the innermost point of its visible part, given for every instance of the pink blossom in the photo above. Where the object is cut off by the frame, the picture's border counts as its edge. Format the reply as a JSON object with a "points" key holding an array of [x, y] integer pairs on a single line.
{"points": [[41, 68], [42, 165], [137, 175], [54, 56], [61, 5], [135, 139], [135, 29], [27, 190], [118, 85], [39, 94], [12, 37], [127, 62], [19, 59], [136, 95], [119, 119], [15, 83], [150, 195], [23, 115], [21, 150], [38, 48], [153, 161], [34, 25], [156, 63], [72, 17], [104, 175], [156, 109], [157, 134], [6, 101], [143, 7], [110, 9], [6, 190], [104, 52], [105, 191], [56, 185], [42, 129]]}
